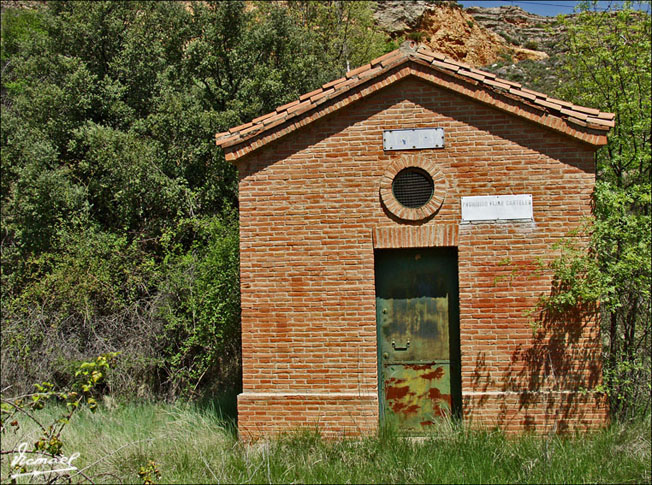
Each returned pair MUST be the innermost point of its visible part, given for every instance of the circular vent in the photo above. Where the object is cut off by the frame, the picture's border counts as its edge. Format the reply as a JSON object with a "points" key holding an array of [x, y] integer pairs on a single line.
{"points": [[413, 187]]}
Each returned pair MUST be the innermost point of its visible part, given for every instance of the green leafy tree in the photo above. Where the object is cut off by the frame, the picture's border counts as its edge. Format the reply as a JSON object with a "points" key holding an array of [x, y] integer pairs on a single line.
{"points": [[608, 67], [118, 230]]}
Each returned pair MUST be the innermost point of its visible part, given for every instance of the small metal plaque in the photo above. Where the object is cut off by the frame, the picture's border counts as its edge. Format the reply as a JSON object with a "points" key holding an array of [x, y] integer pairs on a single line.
{"points": [[413, 139], [497, 207]]}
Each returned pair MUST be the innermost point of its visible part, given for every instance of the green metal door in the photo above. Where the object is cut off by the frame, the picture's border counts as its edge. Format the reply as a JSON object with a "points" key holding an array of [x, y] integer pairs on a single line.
{"points": [[418, 336]]}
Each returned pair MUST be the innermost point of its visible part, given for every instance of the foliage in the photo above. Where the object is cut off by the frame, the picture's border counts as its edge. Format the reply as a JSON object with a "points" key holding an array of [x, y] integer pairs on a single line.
{"points": [[17, 410], [118, 227], [201, 313], [608, 67], [149, 472]]}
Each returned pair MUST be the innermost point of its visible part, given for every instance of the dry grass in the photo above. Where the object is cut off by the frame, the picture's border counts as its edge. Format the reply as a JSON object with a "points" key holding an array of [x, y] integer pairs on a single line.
{"points": [[192, 444]]}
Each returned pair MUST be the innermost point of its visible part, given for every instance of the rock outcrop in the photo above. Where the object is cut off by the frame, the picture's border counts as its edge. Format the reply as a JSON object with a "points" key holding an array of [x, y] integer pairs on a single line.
{"points": [[519, 27], [471, 36]]}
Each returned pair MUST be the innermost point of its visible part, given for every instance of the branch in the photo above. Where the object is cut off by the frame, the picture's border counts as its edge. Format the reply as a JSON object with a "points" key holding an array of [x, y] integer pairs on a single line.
{"points": [[22, 410]]}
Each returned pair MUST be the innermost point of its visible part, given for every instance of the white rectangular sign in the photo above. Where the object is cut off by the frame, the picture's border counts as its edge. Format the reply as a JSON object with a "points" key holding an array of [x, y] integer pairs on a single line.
{"points": [[413, 139], [497, 207]]}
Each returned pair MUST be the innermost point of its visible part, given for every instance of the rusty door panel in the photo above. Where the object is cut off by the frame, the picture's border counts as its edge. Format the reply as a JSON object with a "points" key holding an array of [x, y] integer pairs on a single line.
{"points": [[416, 395], [418, 336]]}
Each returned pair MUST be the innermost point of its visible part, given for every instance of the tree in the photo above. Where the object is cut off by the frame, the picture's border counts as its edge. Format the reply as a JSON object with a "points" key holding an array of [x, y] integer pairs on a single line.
{"points": [[608, 67], [118, 211]]}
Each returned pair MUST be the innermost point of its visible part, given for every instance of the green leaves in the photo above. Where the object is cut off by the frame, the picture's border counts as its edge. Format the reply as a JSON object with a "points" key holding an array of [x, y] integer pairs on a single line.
{"points": [[609, 67], [118, 225], [202, 309], [49, 442]]}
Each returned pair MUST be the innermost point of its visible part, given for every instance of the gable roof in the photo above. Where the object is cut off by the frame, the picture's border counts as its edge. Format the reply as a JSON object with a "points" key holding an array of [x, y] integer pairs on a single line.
{"points": [[587, 124]]}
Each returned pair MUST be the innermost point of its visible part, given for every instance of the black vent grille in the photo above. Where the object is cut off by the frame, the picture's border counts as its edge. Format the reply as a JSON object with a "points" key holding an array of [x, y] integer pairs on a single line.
{"points": [[413, 187]]}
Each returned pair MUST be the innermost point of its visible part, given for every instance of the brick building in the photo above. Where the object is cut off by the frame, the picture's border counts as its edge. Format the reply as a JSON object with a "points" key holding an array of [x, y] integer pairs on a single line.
{"points": [[395, 230]]}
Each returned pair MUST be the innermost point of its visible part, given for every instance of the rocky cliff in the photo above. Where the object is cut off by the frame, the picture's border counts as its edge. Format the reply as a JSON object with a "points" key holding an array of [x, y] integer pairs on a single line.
{"points": [[519, 27], [478, 36]]}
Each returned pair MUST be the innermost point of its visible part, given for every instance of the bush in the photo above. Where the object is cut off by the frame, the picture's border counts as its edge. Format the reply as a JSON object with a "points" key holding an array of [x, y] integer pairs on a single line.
{"points": [[118, 228], [201, 309]]}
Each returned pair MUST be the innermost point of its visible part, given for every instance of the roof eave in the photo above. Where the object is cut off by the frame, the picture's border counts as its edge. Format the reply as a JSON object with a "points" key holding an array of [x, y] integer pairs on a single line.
{"points": [[586, 124]]}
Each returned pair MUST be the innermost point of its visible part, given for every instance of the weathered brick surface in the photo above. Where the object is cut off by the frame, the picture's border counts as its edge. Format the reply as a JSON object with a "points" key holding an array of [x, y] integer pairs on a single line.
{"points": [[310, 214]]}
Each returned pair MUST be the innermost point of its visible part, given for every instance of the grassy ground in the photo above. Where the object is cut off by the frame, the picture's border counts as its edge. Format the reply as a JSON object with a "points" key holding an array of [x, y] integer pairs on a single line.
{"points": [[195, 444]]}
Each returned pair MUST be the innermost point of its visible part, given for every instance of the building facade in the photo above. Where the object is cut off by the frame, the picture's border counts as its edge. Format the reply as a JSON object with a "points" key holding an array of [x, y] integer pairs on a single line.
{"points": [[396, 227]]}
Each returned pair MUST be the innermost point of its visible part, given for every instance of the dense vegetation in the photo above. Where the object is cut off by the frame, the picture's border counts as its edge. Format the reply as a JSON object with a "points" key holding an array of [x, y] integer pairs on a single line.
{"points": [[607, 65], [119, 215]]}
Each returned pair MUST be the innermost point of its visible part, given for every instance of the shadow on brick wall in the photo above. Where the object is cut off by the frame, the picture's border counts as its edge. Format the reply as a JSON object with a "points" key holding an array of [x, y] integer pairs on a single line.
{"points": [[547, 383], [564, 357]]}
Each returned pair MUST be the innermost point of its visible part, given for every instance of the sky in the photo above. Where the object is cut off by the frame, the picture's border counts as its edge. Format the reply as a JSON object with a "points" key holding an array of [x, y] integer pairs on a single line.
{"points": [[549, 8]]}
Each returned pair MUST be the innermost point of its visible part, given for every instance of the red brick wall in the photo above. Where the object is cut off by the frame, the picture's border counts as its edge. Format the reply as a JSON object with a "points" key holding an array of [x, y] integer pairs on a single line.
{"points": [[310, 214]]}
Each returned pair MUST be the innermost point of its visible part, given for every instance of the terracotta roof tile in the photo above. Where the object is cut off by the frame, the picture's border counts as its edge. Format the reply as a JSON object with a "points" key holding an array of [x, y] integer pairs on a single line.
{"points": [[511, 83], [561, 102], [424, 56], [489, 75], [252, 129], [310, 94], [472, 75], [321, 94], [437, 55], [520, 92], [601, 122], [333, 82], [277, 120], [299, 107], [584, 109], [345, 84], [264, 117], [535, 93], [380, 59], [360, 69], [286, 106], [446, 65], [276, 117], [547, 104], [240, 127], [287, 116], [570, 112], [392, 59], [577, 121], [229, 140], [496, 83], [371, 72]]}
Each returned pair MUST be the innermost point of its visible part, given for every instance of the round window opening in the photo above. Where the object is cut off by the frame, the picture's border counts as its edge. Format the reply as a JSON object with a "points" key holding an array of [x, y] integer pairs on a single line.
{"points": [[413, 187]]}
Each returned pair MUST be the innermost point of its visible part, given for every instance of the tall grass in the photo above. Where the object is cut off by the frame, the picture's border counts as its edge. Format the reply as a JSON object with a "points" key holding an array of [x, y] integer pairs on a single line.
{"points": [[195, 444]]}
